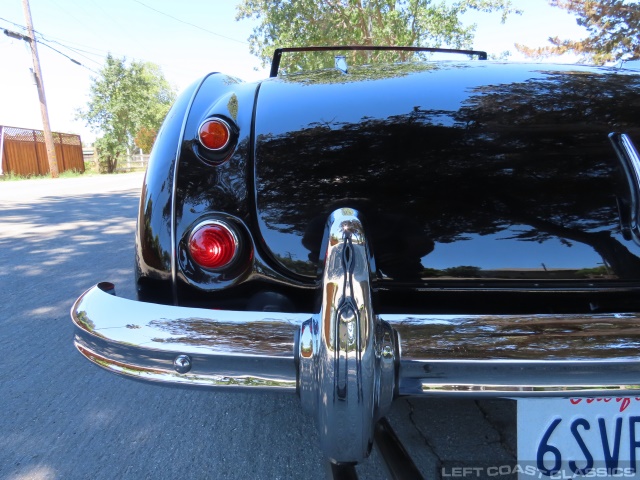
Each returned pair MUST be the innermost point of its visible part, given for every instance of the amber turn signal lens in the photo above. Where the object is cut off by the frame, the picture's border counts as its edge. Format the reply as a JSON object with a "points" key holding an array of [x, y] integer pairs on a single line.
{"points": [[213, 245], [214, 134]]}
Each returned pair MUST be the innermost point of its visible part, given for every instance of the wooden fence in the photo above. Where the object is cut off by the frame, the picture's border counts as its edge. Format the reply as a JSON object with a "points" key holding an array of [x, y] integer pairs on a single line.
{"points": [[133, 162], [23, 152], [130, 163]]}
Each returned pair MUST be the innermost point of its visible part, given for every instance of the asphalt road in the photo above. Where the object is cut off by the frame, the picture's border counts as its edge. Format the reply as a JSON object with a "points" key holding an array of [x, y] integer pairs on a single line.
{"points": [[64, 418]]}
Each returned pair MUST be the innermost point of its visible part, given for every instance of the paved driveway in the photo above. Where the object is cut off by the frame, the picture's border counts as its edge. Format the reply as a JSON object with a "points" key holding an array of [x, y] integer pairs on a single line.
{"points": [[63, 418]]}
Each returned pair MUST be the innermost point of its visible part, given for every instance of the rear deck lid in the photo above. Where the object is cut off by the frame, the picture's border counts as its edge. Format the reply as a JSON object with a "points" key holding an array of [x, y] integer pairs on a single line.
{"points": [[501, 172]]}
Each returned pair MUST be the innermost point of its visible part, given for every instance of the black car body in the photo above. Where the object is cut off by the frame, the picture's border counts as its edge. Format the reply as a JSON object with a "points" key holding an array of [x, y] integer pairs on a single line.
{"points": [[434, 228]]}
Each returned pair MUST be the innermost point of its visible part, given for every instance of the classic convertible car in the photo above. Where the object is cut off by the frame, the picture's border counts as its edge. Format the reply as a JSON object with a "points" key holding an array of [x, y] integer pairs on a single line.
{"points": [[364, 232]]}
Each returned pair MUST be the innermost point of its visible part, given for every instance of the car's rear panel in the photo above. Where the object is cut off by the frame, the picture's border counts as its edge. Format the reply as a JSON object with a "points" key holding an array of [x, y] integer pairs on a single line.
{"points": [[467, 178]]}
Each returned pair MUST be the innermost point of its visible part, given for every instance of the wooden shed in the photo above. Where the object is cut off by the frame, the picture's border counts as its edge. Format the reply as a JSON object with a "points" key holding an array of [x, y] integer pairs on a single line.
{"points": [[23, 152]]}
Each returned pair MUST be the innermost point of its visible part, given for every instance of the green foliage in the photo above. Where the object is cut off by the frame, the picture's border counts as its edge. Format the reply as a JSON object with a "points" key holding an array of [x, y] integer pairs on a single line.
{"points": [[13, 177], [613, 28], [430, 272], [421, 23], [596, 272], [110, 149], [125, 99], [463, 271]]}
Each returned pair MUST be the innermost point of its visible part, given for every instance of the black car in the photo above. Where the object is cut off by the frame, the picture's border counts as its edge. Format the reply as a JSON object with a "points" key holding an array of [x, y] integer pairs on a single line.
{"points": [[358, 233]]}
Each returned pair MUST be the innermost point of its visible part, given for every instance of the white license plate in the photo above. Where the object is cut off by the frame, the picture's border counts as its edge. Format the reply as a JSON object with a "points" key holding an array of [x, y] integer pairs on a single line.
{"points": [[579, 438]]}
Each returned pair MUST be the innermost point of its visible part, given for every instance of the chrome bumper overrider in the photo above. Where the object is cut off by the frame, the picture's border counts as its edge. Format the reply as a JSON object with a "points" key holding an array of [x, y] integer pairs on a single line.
{"points": [[348, 363]]}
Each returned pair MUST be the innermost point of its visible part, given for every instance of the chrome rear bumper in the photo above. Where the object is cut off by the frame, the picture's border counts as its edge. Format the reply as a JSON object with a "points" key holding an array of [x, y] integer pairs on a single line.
{"points": [[347, 363], [501, 355]]}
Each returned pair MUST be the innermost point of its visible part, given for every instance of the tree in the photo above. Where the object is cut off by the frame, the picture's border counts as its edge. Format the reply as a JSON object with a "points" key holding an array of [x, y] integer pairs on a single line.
{"points": [[145, 138], [295, 23], [613, 28], [125, 99]]}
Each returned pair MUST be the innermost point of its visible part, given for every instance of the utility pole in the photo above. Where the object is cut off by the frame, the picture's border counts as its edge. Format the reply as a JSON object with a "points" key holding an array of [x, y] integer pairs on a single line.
{"points": [[48, 137]]}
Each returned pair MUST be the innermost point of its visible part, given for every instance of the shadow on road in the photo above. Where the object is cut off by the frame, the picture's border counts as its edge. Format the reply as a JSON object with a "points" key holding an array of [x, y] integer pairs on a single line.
{"points": [[64, 418], [68, 243]]}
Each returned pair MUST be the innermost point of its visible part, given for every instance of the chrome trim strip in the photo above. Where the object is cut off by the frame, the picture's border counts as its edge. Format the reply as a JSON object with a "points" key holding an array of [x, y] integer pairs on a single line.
{"points": [[520, 378], [630, 161], [529, 391], [169, 377], [174, 242]]}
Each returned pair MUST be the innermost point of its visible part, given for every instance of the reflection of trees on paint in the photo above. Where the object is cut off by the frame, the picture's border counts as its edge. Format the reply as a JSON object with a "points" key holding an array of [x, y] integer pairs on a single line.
{"points": [[523, 337], [241, 337], [357, 74], [533, 153], [298, 265]]}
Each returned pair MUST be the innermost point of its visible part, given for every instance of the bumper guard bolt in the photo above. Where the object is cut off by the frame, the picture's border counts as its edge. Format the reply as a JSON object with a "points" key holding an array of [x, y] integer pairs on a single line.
{"points": [[182, 363]]}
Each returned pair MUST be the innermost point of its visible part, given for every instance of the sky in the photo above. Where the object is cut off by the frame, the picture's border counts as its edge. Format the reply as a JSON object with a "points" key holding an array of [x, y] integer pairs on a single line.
{"points": [[187, 39]]}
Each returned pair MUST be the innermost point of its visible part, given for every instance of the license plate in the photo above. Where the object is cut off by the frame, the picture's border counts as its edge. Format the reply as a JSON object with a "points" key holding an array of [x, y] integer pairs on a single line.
{"points": [[578, 438]]}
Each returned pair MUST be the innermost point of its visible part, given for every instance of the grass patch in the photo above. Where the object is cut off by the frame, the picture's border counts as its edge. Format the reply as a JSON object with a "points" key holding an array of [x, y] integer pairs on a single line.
{"points": [[12, 177]]}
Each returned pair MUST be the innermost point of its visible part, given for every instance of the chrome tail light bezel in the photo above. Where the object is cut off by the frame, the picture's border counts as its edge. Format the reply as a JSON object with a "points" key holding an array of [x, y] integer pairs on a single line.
{"points": [[237, 246]]}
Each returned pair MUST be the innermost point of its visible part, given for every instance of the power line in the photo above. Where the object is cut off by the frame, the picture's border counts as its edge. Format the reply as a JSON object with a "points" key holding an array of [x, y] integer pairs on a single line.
{"points": [[191, 24], [51, 39], [76, 49], [97, 52], [64, 55], [41, 41], [28, 39], [79, 51], [67, 43], [14, 24]]}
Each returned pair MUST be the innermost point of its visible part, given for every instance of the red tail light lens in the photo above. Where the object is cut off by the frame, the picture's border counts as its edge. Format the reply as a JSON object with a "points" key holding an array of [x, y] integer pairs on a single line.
{"points": [[214, 134], [213, 245]]}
